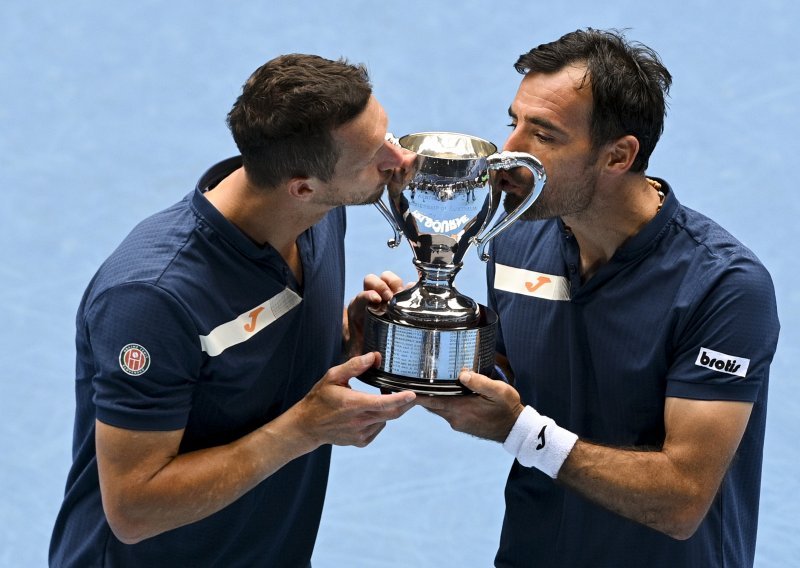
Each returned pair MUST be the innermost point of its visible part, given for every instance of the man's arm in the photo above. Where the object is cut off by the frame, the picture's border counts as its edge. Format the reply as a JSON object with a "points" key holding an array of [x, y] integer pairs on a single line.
{"points": [[148, 488], [670, 489]]}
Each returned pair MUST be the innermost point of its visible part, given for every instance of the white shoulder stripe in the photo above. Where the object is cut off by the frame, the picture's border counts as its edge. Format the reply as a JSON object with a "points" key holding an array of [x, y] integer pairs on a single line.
{"points": [[249, 323], [530, 283]]}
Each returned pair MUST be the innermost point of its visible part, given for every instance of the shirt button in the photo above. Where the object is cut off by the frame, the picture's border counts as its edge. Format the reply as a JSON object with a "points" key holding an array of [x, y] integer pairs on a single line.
{"points": [[572, 269]]}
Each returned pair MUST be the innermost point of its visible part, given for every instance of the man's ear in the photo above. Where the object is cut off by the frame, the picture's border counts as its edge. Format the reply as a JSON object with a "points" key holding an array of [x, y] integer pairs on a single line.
{"points": [[620, 154], [302, 188]]}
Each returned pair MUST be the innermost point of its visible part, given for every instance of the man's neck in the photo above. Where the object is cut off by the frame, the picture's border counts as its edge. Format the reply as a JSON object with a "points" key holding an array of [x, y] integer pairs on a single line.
{"points": [[267, 216], [614, 217]]}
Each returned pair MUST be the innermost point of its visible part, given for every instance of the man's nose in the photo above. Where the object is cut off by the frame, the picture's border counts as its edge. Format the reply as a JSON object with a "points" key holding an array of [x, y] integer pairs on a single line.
{"points": [[514, 142], [397, 157], [407, 158]]}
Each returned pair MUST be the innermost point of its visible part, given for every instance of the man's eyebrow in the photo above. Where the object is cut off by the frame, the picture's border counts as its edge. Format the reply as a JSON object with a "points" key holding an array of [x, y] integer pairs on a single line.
{"points": [[543, 122]]}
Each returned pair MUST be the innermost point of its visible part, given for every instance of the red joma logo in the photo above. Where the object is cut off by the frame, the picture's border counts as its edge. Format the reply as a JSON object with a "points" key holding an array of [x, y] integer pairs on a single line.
{"points": [[250, 327], [540, 281]]}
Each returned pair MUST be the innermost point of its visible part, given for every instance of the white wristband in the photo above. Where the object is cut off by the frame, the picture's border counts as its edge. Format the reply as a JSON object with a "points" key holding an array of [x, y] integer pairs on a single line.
{"points": [[537, 441]]}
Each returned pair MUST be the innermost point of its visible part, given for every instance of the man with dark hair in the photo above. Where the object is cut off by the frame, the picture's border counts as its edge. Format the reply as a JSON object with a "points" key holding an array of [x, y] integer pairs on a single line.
{"points": [[637, 334], [203, 429]]}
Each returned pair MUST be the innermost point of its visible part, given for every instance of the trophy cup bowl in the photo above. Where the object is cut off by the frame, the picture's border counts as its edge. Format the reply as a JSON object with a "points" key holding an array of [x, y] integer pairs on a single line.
{"points": [[429, 333]]}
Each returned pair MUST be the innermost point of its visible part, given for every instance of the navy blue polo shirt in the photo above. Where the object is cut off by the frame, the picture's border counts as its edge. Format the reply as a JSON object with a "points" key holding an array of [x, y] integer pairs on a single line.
{"points": [[189, 324], [681, 310]]}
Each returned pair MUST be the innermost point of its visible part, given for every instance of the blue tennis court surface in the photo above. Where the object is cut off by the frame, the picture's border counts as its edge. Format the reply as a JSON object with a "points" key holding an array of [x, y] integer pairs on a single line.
{"points": [[111, 110]]}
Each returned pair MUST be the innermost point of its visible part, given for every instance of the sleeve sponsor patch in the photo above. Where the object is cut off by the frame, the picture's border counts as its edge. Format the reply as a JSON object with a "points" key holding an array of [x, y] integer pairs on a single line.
{"points": [[134, 359], [722, 362]]}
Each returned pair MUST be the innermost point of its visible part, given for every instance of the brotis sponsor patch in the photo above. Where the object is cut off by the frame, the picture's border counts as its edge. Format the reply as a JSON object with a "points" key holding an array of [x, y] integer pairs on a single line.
{"points": [[134, 359], [722, 362]]}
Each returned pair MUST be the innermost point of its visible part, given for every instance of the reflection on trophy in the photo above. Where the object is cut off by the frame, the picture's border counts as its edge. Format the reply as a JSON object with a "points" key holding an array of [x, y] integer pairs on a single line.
{"points": [[427, 334]]}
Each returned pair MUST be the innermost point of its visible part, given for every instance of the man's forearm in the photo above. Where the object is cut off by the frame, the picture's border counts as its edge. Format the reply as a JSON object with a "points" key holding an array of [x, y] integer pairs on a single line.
{"points": [[195, 485], [669, 488], [644, 486]]}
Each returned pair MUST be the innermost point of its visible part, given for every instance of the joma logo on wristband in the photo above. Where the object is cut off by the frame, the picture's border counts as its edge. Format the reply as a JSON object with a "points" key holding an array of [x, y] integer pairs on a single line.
{"points": [[541, 444]]}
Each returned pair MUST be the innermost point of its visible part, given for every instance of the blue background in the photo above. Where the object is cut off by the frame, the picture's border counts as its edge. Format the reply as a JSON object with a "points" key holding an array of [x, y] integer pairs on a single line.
{"points": [[111, 110]]}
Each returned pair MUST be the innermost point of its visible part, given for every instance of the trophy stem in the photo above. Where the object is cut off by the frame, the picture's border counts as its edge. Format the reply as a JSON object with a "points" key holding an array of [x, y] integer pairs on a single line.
{"points": [[437, 275], [433, 301]]}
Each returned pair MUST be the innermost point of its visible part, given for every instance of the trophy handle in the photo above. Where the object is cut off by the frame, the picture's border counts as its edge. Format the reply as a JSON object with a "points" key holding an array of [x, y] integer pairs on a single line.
{"points": [[398, 234], [507, 161]]}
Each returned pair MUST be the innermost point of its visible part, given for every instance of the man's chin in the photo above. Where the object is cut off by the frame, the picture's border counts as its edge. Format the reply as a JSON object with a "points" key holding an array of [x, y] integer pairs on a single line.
{"points": [[511, 202], [371, 199], [375, 197]]}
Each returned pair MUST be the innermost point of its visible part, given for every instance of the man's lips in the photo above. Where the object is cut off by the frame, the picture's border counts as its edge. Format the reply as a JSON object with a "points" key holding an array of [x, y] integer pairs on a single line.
{"points": [[504, 182]]}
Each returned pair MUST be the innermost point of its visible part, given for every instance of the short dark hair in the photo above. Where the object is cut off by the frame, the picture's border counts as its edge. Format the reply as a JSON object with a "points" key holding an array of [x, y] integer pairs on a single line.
{"points": [[629, 84], [283, 119]]}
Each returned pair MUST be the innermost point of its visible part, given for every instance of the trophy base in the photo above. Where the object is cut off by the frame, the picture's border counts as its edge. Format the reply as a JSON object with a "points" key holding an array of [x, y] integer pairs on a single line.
{"points": [[393, 383], [425, 359]]}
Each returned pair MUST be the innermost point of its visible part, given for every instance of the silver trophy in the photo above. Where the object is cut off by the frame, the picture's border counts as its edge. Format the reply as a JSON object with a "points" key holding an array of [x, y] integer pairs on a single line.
{"points": [[427, 334]]}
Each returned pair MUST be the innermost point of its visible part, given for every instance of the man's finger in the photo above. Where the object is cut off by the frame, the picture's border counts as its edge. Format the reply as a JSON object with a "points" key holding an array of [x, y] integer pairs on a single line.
{"points": [[480, 384], [392, 401], [433, 403], [392, 280], [377, 430], [379, 286], [371, 296], [353, 367]]}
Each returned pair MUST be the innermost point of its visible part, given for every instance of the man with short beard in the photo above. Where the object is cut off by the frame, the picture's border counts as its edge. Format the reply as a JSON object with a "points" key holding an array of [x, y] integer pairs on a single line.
{"points": [[203, 428], [637, 334]]}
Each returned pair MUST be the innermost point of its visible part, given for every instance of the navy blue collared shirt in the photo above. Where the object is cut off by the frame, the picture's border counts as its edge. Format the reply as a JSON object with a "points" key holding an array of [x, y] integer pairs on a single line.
{"points": [[191, 325], [681, 310]]}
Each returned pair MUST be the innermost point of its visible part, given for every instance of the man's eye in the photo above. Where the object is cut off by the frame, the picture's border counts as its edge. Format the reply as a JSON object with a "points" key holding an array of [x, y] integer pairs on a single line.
{"points": [[512, 125], [543, 138]]}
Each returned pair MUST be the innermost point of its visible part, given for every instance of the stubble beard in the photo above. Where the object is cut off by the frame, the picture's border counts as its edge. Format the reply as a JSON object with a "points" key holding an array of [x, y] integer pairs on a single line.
{"points": [[336, 198], [370, 199], [570, 198]]}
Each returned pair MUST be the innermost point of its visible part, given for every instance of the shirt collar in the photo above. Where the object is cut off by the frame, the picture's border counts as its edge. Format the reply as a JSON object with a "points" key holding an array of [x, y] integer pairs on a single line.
{"points": [[652, 232], [217, 221]]}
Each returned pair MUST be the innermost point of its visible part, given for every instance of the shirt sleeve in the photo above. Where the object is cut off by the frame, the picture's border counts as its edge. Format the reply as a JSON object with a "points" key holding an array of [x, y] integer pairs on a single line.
{"points": [[147, 356], [724, 345]]}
